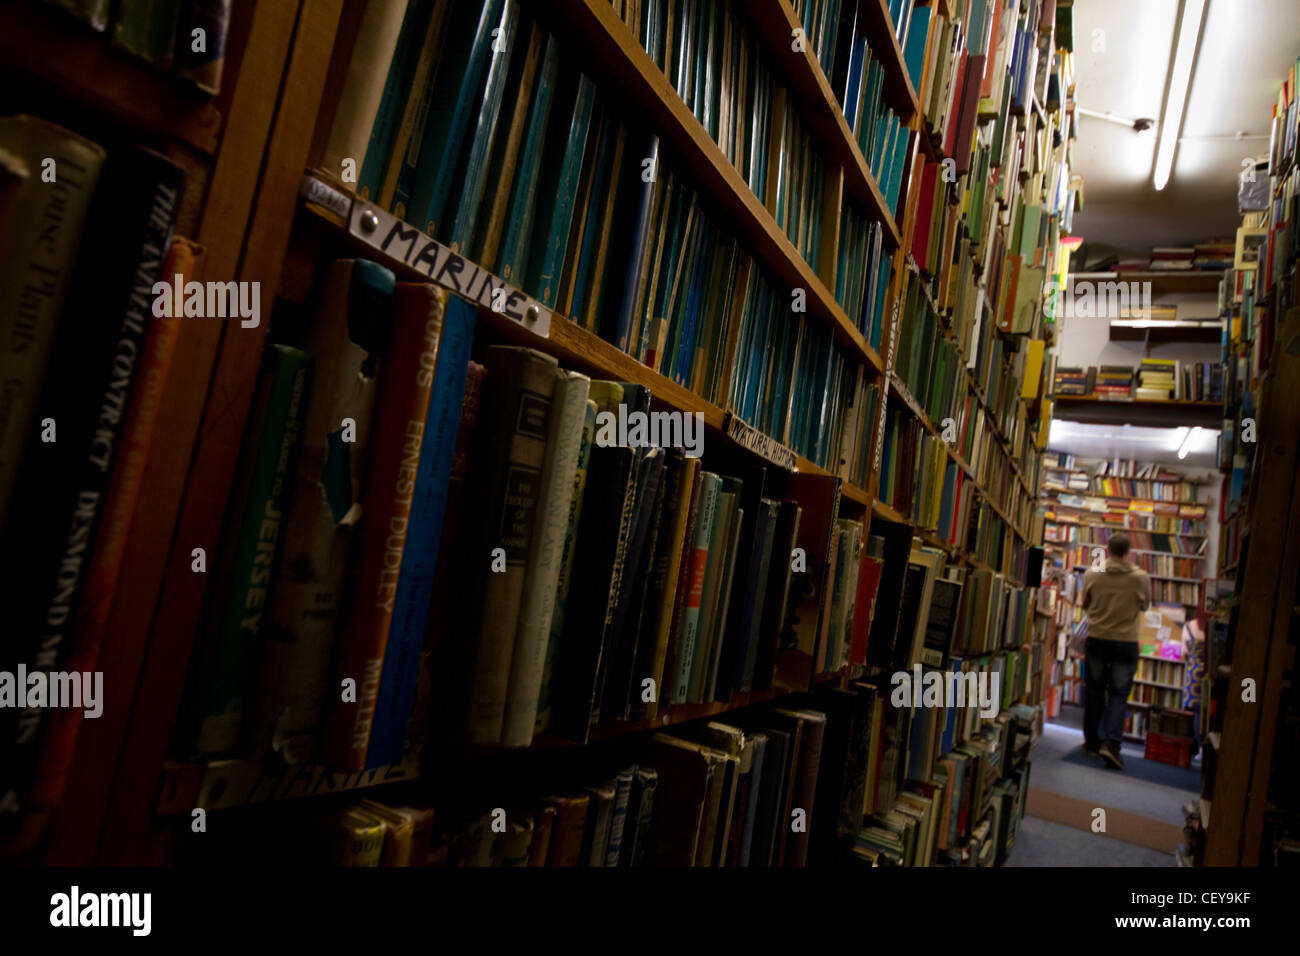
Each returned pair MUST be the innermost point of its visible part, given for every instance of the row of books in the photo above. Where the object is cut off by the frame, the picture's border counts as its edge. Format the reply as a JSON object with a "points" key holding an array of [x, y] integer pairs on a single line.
{"points": [[1154, 564], [864, 780], [792, 382], [1077, 481], [1182, 540], [1109, 468], [610, 562], [1154, 697], [187, 39], [711, 55], [1161, 379], [1099, 504], [1176, 592], [593, 223], [78, 263], [1160, 672]]}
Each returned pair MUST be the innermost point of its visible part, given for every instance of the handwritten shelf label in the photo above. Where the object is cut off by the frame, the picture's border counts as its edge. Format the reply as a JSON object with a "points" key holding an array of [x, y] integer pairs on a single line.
{"points": [[762, 445]]}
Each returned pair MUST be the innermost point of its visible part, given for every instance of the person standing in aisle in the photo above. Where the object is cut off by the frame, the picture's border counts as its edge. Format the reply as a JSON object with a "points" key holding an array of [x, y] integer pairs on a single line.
{"points": [[1114, 596]]}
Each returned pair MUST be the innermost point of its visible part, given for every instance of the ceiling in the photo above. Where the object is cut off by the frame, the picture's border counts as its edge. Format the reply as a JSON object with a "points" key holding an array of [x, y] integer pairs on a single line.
{"points": [[1135, 442], [1123, 54]]}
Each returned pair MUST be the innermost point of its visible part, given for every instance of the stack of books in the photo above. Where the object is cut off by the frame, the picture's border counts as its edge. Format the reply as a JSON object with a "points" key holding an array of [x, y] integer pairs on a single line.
{"points": [[1214, 256], [1157, 378], [1172, 258], [1114, 381], [1073, 380]]}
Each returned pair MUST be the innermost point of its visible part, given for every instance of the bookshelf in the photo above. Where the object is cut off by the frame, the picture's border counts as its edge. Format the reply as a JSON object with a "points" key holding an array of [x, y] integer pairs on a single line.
{"points": [[1251, 620], [261, 152]]}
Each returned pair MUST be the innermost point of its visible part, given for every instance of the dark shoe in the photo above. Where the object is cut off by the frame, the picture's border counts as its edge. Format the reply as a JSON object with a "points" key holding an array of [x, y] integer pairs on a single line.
{"points": [[1091, 750], [1110, 754]]}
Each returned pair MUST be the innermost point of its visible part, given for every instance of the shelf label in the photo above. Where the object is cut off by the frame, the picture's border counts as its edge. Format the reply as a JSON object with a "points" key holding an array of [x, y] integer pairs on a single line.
{"points": [[326, 196], [884, 392], [398, 242], [762, 445], [224, 784]]}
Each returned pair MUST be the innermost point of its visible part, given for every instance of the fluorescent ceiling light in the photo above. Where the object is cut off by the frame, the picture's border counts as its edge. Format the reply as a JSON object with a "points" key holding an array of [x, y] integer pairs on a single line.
{"points": [[1180, 79], [1185, 447]]}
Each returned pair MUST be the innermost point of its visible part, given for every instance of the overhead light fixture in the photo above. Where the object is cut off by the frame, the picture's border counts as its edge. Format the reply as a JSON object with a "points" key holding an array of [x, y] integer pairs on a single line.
{"points": [[1180, 80], [1186, 446]]}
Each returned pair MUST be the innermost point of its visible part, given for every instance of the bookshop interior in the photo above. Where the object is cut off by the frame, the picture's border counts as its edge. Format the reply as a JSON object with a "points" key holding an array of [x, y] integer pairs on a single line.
{"points": [[649, 433]]}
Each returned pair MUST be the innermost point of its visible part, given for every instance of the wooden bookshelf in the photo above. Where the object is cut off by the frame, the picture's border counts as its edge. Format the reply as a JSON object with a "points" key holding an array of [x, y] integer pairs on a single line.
{"points": [[258, 137], [46, 45], [581, 350]]}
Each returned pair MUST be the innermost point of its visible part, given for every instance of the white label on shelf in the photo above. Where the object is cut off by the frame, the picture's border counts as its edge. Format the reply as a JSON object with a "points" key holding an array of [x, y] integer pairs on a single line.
{"points": [[760, 444], [324, 195], [397, 241]]}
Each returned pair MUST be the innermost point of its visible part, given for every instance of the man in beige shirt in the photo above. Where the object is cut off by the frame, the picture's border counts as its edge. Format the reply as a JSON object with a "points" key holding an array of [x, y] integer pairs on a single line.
{"points": [[1114, 597]]}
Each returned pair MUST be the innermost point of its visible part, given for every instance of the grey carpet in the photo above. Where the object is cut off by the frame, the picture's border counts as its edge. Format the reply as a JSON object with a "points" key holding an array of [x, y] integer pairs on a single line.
{"points": [[1044, 843], [1139, 768], [1095, 783]]}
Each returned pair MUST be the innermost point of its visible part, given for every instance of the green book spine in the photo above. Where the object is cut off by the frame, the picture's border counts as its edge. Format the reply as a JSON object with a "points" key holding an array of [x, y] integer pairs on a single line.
{"points": [[476, 166], [465, 52], [282, 398], [523, 199], [147, 28], [551, 238]]}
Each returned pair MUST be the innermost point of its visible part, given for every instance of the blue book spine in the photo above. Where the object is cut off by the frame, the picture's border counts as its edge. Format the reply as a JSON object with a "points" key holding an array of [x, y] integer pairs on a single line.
{"points": [[393, 100], [914, 54], [455, 92], [419, 557], [523, 205], [637, 264]]}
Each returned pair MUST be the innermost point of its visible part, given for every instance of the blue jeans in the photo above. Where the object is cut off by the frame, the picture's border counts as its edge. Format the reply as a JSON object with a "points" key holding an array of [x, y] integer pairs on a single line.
{"points": [[1108, 677]]}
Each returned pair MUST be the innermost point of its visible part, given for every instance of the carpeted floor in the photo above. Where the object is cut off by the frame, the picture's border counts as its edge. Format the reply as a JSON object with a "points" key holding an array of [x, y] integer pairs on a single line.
{"points": [[1043, 843], [1089, 780]]}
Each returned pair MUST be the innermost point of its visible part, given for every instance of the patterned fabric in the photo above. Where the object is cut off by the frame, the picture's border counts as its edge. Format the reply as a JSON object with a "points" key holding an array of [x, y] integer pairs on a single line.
{"points": [[1194, 671]]}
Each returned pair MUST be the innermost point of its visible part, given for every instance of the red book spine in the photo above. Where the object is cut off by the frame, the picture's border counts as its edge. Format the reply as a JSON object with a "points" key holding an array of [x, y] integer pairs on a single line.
{"points": [[400, 412]]}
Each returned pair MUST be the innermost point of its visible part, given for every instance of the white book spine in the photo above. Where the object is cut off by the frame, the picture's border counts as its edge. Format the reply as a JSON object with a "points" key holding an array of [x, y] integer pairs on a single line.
{"points": [[526, 666], [372, 55]]}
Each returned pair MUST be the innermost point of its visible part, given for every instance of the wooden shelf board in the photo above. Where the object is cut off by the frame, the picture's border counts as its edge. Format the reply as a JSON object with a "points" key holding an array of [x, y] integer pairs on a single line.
{"points": [[60, 52], [610, 45]]}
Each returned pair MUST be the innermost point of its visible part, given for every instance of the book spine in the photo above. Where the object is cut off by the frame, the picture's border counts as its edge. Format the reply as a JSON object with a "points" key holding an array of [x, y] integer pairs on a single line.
{"points": [[460, 72], [147, 29], [222, 688], [364, 87], [690, 622], [201, 56], [566, 568], [34, 277], [110, 542], [467, 207], [424, 535], [324, 508], [667, 571], [568, 418], [400, 414], [618, 825], [521, 416]]}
